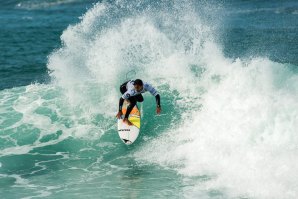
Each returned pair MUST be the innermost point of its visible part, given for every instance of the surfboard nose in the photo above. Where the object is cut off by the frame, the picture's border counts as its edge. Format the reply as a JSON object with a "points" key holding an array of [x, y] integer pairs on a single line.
{"points": [[127, 141]]}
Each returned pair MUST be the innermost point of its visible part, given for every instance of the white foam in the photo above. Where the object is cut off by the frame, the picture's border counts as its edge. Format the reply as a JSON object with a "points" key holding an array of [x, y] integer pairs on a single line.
{"points": [[238, 118], [245, 136], [43, 113]]}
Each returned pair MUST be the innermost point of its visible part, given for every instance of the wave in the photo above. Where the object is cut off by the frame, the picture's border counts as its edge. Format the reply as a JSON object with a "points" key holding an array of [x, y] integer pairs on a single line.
{"points": [[228, 127], [237, 119], [243, 140]]}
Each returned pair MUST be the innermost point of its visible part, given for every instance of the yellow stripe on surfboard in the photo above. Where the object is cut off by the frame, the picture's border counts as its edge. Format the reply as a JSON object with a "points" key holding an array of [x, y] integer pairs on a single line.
{"points": [[135, 120]]}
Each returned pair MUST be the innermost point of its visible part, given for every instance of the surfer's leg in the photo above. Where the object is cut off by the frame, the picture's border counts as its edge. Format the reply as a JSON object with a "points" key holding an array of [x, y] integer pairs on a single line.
{"points": [[132, 103]]}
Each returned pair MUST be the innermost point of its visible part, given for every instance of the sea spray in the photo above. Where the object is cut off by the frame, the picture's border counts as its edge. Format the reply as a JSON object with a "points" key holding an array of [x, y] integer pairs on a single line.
{"points": [[227, 130]]}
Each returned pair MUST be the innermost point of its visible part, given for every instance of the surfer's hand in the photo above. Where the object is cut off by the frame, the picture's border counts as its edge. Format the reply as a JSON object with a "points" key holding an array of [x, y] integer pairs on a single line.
{"points": [[119, 114], [158, 110]]}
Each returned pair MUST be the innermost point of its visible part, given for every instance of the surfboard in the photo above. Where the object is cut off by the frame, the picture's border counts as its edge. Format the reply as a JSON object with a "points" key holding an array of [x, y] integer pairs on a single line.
{"points": [[128, 134]]}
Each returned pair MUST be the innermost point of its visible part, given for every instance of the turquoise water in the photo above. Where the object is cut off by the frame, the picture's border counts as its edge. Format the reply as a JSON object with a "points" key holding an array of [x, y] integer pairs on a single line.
{"points": [[226, 72]]}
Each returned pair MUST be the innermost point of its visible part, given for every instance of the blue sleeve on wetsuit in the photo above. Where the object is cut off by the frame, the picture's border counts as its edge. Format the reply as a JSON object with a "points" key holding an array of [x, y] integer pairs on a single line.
{"points": [[151, 89]]}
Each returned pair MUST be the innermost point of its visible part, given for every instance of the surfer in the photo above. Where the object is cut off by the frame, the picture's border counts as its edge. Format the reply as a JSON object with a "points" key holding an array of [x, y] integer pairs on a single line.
{"points": [[131, 91]]}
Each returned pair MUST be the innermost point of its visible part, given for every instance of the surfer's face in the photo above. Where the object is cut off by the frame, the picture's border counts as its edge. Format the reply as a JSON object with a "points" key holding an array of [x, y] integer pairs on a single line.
{"points": [[138, 88]]}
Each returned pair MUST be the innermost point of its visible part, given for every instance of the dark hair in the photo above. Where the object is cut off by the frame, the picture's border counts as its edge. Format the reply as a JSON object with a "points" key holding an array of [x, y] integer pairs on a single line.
{"points": [[138, 82]]}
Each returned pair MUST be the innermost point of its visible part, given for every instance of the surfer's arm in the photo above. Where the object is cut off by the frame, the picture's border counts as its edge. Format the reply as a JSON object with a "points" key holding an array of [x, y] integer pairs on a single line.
{"points": [[157, 99], [158, 108], [121, 101], [153, 92], [125, 96]]}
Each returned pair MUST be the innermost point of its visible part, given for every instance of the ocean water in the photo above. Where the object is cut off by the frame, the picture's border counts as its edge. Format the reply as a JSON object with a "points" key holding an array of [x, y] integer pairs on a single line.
{"points": [[227, 72]]}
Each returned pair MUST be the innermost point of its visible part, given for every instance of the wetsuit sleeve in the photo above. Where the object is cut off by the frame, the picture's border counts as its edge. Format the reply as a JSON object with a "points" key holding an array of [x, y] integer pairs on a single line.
{"points": [[121, 103], [126, 95], [157, 98], [151, 89], [153, 92]]}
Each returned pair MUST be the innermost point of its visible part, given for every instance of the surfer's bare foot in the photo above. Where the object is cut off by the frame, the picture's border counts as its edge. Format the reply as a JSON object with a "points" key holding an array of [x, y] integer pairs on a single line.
{"points": [[126, 121]]}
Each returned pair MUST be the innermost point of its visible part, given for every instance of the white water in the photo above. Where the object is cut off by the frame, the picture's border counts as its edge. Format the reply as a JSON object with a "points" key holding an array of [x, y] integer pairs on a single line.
{"points": [[245, 137], [239, 119]]}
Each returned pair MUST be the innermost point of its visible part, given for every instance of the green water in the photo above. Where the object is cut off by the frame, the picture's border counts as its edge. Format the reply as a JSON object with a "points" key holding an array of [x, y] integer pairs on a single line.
{"points": [[226, 72], [45, 154]]}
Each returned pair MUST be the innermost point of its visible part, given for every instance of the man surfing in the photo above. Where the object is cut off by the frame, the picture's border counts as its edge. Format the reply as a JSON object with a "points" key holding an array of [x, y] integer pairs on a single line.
{"points": [[131, 91]]}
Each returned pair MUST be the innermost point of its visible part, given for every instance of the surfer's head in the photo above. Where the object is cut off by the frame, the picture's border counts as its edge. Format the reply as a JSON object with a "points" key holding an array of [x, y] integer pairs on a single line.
{"points": [[138, 84]]}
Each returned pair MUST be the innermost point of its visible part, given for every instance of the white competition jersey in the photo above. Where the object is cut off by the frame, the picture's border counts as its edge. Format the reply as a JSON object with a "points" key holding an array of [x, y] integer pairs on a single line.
{"points": [[131, 91]]}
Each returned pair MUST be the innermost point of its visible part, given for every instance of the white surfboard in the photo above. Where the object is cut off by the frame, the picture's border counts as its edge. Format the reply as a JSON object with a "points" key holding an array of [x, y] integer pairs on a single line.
{"points": [[129, 134]]}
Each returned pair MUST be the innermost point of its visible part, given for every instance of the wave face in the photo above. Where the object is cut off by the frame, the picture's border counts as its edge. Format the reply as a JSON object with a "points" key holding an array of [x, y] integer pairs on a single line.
{"points": [[228, 127]]}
